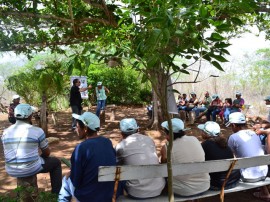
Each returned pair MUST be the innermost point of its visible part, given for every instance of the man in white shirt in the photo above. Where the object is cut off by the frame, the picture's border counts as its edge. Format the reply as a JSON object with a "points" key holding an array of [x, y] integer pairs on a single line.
{"points": [[138, 149], [246, 143]]}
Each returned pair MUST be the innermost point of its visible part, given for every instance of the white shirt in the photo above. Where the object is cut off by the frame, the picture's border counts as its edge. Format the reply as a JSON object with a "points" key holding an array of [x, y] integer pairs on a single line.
{"points": [[246, 143], [185, 150], [138, 149]]}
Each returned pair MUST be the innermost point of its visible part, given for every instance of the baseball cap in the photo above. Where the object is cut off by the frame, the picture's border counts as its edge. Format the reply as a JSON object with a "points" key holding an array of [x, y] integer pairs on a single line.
{"points": [[23, 111], [14, 97], [236, 117], [177, 125], [89, 119], [192, 93], [128, 125], [99, 83], [215, 96], [267, 98], [210, 127], [238, 93]]}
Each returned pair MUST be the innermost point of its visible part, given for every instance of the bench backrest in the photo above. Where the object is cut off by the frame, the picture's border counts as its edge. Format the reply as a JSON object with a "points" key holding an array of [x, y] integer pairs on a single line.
{"points": [[129, 172]]}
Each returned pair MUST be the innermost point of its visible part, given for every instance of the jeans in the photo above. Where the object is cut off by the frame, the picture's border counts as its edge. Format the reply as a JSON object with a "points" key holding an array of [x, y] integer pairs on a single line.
{"points": [[226, 114], [67, 190], [198, 110], [75, 110], [212, 113], [53, 166], [100, 106]]}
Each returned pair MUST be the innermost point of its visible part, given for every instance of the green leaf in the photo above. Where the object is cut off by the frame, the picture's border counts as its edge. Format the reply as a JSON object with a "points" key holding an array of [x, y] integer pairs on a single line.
{"points": [[203, 11], [184, 66], [155, 20], [236, 21], [184, 71], [219, 58], [216, 37], [217, 65]]}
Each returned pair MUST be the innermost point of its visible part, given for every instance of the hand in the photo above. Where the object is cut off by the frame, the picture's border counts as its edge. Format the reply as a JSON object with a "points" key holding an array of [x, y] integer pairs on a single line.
{"points": [[90, 86], [68, 174], [259, 132]]}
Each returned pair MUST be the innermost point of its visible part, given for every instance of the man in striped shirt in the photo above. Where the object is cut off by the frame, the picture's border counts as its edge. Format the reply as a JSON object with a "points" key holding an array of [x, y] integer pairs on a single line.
{"points": [[22, 142]]}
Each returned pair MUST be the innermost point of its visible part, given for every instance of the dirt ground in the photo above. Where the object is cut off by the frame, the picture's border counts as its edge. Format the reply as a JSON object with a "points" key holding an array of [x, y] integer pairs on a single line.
{"points": [[68, 140]]}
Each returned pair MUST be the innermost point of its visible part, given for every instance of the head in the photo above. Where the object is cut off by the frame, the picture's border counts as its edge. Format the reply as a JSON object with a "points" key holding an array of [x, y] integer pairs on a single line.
{"points": [[16, 99], [184, 95], [88, 124], [238, 94], [206, 94], [193, 95], [237, 121], [128, 126], [76, 82], [215, 96], [209, 129], [228, 100], [23, 112], [178, 128], [99, 84], [267, 100]]}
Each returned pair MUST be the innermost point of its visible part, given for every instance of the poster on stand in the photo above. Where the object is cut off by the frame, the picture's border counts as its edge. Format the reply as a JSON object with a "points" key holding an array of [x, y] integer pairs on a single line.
{"points": [[83, 80]]}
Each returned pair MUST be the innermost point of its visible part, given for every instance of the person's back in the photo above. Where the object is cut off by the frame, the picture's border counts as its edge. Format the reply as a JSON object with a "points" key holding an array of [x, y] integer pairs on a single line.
{"points": [[246, 143], [91, 154], [21, 144], [138, 149], [188, 149]]}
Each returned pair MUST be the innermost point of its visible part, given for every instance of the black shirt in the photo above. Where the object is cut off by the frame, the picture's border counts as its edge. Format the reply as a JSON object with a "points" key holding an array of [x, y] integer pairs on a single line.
{"points": [[214, 152], [75, 97]]}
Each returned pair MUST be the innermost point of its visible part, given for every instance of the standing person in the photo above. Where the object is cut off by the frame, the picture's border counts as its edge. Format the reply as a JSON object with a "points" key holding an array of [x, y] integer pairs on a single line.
{"points": [[246, 143], [15, 102], [185, 149], [267, 102], [138, 149], [238, 103], [101, 97], [216, 148], [76, 99], [22, 142], [94, 151]]}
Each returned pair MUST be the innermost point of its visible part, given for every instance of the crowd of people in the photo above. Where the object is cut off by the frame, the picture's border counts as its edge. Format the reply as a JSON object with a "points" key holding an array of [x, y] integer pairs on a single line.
{"points": [[210, 106], [22, 142]]}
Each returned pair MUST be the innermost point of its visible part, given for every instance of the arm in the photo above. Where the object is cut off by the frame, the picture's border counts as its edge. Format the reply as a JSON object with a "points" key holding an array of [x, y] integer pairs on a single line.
{"points": [[106, 89], [163, 153], [46, 152], [84, 89]]}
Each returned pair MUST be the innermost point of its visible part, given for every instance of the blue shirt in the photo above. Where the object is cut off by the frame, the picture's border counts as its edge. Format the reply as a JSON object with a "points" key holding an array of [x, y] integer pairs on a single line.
{"points": [[85, 160]]}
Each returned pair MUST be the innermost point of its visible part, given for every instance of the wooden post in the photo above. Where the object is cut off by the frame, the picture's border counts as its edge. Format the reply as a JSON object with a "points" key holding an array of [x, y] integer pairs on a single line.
{"points": [[112, 117], [102, 117], [29, 191]]}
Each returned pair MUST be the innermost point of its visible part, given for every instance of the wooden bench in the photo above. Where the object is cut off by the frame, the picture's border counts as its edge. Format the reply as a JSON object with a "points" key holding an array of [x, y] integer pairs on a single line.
{"points": [[102, 116], [130, 172]]}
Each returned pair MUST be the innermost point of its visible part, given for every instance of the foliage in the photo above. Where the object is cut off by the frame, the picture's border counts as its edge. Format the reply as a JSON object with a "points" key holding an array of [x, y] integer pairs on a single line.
{"points": [[39, 76], [124, 84]]}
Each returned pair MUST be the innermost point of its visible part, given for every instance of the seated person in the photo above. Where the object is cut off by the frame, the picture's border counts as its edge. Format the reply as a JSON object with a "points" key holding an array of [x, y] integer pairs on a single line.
{"points": [[181, 103], [185, 149], [214, 108], [238, 103], [226, 110], [215, 148], [246, 143], [205, 104], [138, 149], [94, 151], [192, 102]]}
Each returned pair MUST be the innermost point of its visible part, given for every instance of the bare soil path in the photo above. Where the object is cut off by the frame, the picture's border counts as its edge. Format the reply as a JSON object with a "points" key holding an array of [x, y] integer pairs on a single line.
{"points": [[68, 140]]}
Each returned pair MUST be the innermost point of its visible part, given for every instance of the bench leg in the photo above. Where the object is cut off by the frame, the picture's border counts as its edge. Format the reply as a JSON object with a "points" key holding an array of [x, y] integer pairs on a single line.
{"points": [[112, 117], [28, 191]]}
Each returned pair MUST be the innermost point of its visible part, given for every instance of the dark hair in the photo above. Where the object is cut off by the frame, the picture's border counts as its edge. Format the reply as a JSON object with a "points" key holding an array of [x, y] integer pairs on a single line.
{"points": [[90, 132], [229, 100], [125, 134], [220, 140], [75, 81], [180, 134]]}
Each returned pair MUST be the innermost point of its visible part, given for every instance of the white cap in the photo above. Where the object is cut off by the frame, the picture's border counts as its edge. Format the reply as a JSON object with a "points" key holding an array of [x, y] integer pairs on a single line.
{"points": [[23, 111], [215, 96], [177, 125], [238, 93], [211, 128], [192, 93], [236, 117], [267, 98], [128, 125], [14, 97], [89, 119], [99, 83]]}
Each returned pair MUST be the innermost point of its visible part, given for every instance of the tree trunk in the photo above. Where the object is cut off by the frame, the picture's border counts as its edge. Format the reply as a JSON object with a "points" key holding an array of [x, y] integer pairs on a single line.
{"points": [[43, 114], [155, 118]]}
